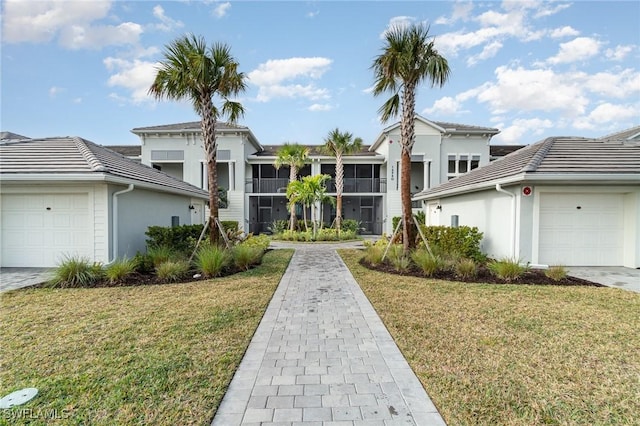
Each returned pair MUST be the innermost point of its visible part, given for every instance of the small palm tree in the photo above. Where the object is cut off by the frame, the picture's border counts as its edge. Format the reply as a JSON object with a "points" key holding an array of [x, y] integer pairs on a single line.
{"points": [[339, 143], [191, 70], [294, 156], [408, 58]]}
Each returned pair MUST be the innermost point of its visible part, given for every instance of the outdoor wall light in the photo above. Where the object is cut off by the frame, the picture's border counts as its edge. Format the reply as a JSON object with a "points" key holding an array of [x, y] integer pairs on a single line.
{"points": [[191, 207], [439, 207]]}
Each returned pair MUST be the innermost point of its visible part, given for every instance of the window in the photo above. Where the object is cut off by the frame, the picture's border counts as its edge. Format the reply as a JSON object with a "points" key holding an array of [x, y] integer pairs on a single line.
{"points": [[461, 164]]}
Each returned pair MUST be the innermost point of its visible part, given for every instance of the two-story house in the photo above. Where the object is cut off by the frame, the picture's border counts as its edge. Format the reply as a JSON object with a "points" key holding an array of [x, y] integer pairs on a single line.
{"points": [[371, 195]]}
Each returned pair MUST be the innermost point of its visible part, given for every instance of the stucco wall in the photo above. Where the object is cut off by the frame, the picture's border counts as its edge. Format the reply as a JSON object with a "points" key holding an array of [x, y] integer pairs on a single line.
{"points": [[139, 209]]}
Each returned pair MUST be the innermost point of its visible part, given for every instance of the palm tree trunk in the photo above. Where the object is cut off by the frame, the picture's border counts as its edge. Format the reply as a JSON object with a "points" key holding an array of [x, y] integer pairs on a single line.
{"points": [[339, 188], [210, 146], [408, 134], [293, 172]]}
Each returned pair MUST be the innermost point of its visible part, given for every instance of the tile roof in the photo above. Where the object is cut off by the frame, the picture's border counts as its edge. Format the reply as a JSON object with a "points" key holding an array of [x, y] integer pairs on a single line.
{"points": [[189, 126], [74, 155], [462, 128], [632, 133], [11, 136], [502, 150], [126, 150], [556, 158]]}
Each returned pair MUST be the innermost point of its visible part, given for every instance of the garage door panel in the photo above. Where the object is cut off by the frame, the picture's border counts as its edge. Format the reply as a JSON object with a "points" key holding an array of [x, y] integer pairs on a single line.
{"points": [[40, 229], [581, 229]]}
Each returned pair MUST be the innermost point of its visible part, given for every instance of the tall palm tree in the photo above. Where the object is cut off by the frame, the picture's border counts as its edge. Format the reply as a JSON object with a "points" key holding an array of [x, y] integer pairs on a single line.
{"points": [[294, 156], [337, 144], [206, 76], [408, 59]]}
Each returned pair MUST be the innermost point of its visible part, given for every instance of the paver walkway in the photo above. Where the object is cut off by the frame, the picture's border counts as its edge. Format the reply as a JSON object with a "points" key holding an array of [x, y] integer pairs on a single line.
{"points": [[321, 356]]}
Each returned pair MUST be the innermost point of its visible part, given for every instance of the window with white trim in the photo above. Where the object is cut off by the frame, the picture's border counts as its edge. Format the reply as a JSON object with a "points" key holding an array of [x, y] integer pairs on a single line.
{"points": [[459, 164]]}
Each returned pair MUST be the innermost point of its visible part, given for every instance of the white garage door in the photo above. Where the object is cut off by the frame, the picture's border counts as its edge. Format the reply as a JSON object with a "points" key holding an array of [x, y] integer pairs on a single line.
{"points": [[39, 229], [581, 229]]}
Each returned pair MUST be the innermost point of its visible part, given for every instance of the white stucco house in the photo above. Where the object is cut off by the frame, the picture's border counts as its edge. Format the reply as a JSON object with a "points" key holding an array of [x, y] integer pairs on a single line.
{"points": [[255, 189], [68, 196], [562, 201]]}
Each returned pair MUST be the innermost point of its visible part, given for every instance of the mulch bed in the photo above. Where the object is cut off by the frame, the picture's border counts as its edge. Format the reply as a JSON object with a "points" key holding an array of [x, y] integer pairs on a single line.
{"points": [[530, 277]]}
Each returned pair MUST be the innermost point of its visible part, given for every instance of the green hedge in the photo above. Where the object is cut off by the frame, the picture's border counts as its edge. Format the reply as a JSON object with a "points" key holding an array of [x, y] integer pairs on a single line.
{"points": [[181, 238], [463, 240]]}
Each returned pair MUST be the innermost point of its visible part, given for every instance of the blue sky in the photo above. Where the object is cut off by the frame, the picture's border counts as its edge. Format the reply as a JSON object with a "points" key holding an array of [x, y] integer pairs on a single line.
{"points": [[532, 69]]}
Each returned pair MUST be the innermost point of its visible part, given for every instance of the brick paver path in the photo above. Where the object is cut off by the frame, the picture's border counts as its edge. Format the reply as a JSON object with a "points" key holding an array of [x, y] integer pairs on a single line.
{"points": [[321, 356]]}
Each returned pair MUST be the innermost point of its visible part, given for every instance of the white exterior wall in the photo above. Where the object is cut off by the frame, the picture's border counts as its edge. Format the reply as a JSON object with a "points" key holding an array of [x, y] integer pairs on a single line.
{"points": [[139, 209], [489, 211]]}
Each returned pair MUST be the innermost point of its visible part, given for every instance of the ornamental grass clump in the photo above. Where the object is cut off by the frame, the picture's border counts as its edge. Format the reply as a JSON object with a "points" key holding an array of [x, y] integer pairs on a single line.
{"points": [[244, 257], [373, 255], [466, 269], [556, 272], [212, 260], [120, 269], [74, 271], [172, 271], [429, 264], [161, 254], [398, 259], [507, 269]]}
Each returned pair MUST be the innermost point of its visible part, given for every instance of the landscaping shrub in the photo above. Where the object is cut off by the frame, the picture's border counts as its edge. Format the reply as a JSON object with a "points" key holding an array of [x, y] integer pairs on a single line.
{"points": [[556, 273], [261, 241], [161, 254], [429, 264], [74, 271], [466, 269], [211, 260], [279, 226], [120, 269], [463, 240], [507, 269], [172, 271], [180, 238], [350, 225], [401, 262], [144, 263], [244, 256]]}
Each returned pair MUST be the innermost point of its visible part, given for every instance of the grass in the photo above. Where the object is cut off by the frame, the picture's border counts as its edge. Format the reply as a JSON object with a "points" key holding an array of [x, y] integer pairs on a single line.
{"points": [[514, 354], [161, 354]]}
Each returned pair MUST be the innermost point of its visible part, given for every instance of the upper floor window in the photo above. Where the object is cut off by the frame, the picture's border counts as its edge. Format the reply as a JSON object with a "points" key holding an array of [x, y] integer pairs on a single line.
{"points": [[461, 163]]}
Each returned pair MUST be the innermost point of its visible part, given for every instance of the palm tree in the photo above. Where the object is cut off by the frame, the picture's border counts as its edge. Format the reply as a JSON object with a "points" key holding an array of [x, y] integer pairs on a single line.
{"points": [[294, 156], [408, 58], [337, 144], [308, 191], [191, 70]]}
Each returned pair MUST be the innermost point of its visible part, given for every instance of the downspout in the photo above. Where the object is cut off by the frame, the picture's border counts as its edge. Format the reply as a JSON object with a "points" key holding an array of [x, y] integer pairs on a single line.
{"points": [[114, 207], [513, 220]]}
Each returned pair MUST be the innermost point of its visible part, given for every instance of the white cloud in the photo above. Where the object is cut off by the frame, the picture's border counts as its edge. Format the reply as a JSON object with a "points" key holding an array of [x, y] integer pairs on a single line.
{"points": [[77, 100], [221, 10], [136, 76], [564, 32], [53, 91], [513, 134], [619, 52], [443, 106], [532, 90], [397, 22], [578, 49], [277, 70], [70, 22], [271, 76], [368, 90], [166, 23], [320, 107], [489, 51], [615, 84], [312, 14], [310, 91], [607, 112], [95, 37], [461, 12], [547, 10]]}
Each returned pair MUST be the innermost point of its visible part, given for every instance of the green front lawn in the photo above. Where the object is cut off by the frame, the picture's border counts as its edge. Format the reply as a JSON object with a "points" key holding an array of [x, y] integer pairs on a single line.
{"points": [[514, 354], [161, 354]]}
